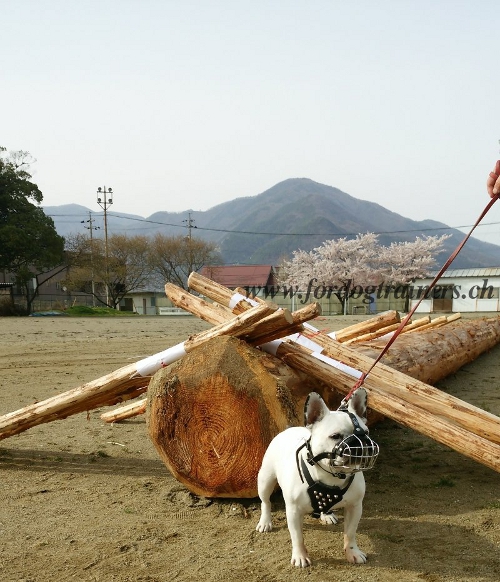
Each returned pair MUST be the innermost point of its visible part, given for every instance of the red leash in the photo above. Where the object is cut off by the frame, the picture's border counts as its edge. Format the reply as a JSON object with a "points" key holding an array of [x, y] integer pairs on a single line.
{"points": [[414, 308]]}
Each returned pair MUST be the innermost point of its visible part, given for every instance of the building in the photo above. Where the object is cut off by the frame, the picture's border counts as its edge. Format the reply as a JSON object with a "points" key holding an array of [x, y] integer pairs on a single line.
{"points": [[255, 278], [459, 290]]}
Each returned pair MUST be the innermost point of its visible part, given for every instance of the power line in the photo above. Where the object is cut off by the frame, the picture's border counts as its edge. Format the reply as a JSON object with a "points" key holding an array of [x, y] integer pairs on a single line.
{"points": [[281, 233]]}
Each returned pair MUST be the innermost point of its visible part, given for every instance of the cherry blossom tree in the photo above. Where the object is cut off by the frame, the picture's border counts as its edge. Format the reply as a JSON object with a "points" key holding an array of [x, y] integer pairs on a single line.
{"points": [[405, 261], [345, 266]]}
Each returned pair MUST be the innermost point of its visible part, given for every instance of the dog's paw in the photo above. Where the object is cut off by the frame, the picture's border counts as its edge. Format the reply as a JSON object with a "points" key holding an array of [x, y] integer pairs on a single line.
{"points": [[264, 526], [300, 559], [328, 519], [354, 555]]}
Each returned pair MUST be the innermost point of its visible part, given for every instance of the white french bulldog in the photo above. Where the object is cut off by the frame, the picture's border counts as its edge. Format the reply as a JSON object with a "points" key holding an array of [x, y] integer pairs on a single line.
{"points": [[319, 467]]}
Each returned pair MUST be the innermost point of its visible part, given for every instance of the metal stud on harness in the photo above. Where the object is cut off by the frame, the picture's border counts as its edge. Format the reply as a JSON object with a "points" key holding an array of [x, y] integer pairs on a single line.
{"points": [[323, 497]]}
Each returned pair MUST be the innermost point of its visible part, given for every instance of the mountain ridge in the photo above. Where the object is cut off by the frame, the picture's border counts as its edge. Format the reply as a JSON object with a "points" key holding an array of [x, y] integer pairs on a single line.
{"points": [[292, 214]]}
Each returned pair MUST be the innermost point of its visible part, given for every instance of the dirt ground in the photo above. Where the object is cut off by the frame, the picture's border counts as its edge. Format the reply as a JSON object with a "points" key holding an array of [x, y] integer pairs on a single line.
{"points": [[88, 501]]}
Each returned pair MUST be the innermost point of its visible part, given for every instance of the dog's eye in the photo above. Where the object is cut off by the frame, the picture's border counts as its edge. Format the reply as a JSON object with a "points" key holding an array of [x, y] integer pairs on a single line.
{"points": [[336, 436]]}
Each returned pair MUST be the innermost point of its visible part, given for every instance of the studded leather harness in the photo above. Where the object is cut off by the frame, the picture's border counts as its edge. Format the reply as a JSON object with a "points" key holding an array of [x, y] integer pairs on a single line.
{"points": [[322, 496]]}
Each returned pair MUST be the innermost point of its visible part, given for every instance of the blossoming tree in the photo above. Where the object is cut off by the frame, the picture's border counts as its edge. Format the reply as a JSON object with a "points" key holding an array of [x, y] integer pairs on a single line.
{"points": [[344, 265]]}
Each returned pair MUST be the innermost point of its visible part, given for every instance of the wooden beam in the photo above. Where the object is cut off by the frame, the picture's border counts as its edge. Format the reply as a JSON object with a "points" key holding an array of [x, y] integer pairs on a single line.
{"points": [[402, 411], [367, 326], [396, 383]]}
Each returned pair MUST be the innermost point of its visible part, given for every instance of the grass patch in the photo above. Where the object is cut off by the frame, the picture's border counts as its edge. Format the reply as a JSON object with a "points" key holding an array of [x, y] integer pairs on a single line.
{"points": [[493, 505], [444, 482], [86, 311], [97, 455]]}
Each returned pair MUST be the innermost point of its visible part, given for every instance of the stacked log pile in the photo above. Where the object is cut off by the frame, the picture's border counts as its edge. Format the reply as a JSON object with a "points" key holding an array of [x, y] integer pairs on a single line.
{"points": [[215, 401], [250, 413]]}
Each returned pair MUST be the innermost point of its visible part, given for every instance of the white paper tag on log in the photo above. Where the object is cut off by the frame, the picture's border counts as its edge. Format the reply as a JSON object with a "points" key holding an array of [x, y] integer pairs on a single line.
{"points": [[150, 365], [271, 347], [339, 365], [237, 297], [332, 334], [306, 342]]}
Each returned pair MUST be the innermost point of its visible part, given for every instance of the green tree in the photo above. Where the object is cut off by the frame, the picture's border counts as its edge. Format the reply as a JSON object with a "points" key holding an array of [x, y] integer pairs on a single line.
{"points": [[29, 244]]}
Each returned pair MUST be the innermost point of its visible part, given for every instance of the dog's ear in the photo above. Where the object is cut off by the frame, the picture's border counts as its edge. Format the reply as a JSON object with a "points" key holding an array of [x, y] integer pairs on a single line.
{"points": [[357, 403], [314, 409]]}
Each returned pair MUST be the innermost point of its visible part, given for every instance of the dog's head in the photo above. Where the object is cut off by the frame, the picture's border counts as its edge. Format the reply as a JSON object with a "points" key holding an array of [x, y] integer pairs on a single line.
{"points": [[339, 439]]}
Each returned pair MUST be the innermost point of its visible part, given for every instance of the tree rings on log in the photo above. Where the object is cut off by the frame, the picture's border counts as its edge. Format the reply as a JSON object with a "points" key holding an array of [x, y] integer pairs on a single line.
{"points": [[212, 415]]}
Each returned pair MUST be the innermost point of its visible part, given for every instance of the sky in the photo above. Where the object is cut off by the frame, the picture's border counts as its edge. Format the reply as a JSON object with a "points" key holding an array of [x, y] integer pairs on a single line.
{"points": [[182, 105]]}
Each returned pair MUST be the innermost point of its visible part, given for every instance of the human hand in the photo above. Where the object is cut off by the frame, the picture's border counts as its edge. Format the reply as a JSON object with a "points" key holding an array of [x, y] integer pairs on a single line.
{"points": [[493, 182]]}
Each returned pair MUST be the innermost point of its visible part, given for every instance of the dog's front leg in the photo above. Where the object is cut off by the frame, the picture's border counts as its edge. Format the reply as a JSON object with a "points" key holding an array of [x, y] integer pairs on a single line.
{"points": [[352, 515], [295, 519]]}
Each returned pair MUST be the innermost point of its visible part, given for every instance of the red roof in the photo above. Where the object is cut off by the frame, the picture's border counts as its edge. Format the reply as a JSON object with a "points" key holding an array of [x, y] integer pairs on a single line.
{"points": [[240, 275]]}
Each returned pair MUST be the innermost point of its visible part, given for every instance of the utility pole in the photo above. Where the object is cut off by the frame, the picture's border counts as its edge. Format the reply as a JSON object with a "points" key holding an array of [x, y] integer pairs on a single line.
{"points": [[105, 199], [91, 228], [190, 225]]}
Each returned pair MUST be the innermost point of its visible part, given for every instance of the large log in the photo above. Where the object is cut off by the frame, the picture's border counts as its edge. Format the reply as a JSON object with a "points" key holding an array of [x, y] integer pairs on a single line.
{"points": [[212, 415], [433, 354]]}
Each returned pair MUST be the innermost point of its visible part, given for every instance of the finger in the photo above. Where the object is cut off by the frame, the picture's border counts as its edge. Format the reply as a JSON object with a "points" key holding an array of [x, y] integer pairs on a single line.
{"points": [[490, 183], [493, 182], [496, 187]]}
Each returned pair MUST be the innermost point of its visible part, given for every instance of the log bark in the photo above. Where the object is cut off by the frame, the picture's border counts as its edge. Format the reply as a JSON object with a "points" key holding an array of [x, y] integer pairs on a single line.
{"points": [[210, 312], [212, 415], [127, 411], [373, 335], [369, 325], [238, 302], [433, 354]]}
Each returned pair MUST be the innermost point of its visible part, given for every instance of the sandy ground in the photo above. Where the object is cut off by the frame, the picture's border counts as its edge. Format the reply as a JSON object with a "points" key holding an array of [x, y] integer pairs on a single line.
{"points": [[88, 501]]}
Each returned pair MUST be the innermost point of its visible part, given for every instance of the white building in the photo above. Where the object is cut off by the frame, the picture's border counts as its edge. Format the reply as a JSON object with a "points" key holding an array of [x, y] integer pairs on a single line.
{"points": [[463, 290]]}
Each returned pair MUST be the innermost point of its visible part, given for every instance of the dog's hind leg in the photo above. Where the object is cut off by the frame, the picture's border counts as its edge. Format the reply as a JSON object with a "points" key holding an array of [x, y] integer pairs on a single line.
{"points": [[266, 483]]}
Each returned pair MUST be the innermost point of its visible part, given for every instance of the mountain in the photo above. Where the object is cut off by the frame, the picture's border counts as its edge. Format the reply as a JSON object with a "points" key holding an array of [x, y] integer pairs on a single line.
{"points": [[296, 213]]}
